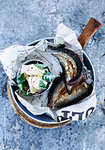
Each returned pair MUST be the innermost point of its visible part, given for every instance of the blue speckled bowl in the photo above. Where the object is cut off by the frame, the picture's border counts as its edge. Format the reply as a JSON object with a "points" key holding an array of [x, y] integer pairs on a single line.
{"points": [[45, 118]]}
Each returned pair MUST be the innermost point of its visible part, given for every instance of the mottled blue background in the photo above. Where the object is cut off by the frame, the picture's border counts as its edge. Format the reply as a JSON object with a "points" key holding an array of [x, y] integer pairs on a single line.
{"points": [[23, 21]]}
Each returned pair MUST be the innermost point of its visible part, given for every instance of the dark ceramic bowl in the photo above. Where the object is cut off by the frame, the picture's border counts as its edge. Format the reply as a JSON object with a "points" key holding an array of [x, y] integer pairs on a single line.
{"points": [[45, 118]]}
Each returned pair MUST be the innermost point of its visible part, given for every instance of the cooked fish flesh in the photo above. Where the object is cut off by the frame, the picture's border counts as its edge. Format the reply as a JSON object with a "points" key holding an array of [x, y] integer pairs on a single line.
{"points": [[68, 64], [58, 96], [70, 68]]}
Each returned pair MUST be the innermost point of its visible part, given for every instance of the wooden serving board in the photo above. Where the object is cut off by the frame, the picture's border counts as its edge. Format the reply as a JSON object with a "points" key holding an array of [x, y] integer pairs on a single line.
{"points": [[90, 29]]}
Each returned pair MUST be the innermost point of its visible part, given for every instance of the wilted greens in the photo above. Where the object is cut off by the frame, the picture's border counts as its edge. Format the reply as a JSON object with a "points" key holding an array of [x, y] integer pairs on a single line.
{"points": [[47, 78]]}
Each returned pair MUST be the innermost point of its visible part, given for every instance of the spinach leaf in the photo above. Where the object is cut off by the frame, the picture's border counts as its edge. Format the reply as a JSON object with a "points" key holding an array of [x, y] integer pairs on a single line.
{"points": [[22, 83], [48, 76], [21, 79], [26, 93], [20, 86], [42, 85]]}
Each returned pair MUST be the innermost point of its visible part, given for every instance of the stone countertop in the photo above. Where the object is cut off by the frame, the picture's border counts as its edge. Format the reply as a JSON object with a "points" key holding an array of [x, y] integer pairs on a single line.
{"points": [[22, 22]]}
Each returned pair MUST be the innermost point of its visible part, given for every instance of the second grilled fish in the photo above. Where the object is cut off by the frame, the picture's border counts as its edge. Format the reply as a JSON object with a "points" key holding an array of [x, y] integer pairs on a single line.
{"points": [[58, 96]]}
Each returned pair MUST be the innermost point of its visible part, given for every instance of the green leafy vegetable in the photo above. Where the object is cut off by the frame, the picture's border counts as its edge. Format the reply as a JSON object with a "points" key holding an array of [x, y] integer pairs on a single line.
{"points": [[42, 85], [21, 79], [48, 76], [22, 83], [26, 93], [20, 87]]}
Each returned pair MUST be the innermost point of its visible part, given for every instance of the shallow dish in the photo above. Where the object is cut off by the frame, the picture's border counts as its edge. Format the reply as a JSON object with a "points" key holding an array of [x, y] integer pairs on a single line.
{"points": [[45, 118]]}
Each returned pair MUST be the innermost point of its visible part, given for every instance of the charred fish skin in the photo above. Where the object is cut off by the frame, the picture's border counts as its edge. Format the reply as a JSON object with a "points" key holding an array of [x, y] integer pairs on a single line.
{"points": [[57, 83], [77, 94], [68, 64], [58, 96], [70, 68], [68, 54], [67, 68]]}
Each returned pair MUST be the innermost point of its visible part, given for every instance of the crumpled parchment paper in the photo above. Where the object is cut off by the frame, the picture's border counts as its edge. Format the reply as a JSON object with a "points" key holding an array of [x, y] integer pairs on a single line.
{"points": [[13, 57]]}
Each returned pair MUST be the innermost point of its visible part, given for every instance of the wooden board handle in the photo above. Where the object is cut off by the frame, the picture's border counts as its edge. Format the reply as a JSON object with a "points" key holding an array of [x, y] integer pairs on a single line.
{"points": [[90, 29]]}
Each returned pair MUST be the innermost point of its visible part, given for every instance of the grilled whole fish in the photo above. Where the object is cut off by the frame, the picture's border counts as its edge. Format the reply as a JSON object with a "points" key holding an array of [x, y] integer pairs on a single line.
{"points": [[58, 96], [69, 67]]}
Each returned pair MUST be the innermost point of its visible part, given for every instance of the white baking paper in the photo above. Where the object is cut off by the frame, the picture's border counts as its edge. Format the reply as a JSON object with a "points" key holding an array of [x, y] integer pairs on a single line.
{"points": [[13, 57]]}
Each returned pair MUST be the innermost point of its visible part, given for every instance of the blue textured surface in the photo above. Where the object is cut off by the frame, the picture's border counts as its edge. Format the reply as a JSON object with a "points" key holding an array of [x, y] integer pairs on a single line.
{"points": [[22, 22]]}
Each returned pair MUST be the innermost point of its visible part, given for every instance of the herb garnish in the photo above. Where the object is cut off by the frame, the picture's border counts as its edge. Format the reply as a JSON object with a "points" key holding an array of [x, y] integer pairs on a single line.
{"points": [[23, 85], [48, 76], [42, 85]]}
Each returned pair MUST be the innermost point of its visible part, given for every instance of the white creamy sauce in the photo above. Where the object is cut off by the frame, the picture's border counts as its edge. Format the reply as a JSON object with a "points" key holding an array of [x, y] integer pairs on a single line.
{"points": [[33, 75]]}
